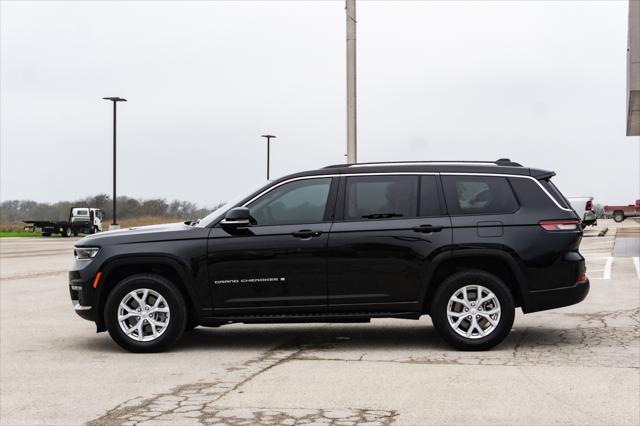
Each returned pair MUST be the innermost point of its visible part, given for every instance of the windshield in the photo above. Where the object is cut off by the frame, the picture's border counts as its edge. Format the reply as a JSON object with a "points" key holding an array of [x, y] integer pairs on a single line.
{"points": [[220, 211]]}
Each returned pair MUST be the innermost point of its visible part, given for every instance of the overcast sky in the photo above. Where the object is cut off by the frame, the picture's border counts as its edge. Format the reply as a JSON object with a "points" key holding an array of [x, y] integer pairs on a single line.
{"points": [[543, 83]]}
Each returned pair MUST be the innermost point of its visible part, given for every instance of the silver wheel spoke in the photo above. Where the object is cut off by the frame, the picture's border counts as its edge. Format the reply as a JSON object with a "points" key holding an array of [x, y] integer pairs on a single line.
{"points": [[125, 316], [472, 327], [457, 323], [127, 308], [488, 318], [458, 300], [473, 322], [465, 297]]}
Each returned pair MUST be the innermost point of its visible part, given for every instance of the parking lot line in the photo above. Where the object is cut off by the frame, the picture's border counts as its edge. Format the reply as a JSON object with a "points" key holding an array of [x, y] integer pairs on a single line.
{"points": [[636, 263], [607, 268]]}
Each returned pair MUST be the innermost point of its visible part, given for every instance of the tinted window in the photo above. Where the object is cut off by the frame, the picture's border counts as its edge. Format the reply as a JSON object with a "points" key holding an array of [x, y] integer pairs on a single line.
{"points": [[555, 193], [301, 201], [429, 203], [479, 195], [381, 197], [82, 212]]}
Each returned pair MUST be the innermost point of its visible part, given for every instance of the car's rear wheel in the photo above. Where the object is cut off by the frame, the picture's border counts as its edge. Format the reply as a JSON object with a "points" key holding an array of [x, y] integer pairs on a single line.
{"points": [[473, 310], [618, 216], [145, 313]]}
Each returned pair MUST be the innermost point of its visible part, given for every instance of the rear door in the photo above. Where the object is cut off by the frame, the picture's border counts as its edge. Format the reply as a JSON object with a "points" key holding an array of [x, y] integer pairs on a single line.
{"points": [[387, 229]]}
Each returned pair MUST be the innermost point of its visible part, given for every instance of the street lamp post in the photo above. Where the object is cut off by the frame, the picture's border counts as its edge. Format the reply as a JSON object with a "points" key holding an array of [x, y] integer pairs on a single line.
{"points": [[269, 137], [115, 101]]}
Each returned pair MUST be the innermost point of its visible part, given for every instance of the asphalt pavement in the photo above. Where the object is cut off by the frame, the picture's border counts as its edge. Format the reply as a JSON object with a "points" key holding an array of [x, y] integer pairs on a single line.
{"points": [[575, 365]]}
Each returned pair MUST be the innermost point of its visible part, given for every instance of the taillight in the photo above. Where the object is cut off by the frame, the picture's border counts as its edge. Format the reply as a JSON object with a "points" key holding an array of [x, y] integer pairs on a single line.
{"points": [[582, 277], [589, 206], [559, 225]]}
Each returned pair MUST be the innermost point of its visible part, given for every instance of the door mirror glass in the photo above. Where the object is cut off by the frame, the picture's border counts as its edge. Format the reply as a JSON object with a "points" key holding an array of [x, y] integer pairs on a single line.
{"points": [[237, 216]]}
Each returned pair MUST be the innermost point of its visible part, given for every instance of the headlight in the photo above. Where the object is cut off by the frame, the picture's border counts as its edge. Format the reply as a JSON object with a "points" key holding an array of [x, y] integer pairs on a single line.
{"points": [[81, 253]]}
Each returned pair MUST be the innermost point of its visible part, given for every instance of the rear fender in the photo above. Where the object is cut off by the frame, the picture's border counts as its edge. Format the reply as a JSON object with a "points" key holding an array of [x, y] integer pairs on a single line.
{"points": [[444, 261]]}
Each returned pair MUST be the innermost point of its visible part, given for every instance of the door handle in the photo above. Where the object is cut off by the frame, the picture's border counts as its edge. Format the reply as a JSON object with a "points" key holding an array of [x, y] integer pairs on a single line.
{"points": [[427, 228], [306, 234]]}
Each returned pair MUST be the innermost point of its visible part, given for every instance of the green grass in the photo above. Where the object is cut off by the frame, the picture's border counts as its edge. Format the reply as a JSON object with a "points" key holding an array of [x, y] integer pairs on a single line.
{"points": [[4, 234]]}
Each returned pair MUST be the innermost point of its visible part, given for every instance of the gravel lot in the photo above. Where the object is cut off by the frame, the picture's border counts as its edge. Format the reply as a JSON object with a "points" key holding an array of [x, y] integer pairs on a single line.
{"points": [[576, 365]]}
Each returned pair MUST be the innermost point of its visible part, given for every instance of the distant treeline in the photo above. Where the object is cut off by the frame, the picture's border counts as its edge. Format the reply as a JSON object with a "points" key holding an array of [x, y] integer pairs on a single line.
{"points": [[19, 210]]}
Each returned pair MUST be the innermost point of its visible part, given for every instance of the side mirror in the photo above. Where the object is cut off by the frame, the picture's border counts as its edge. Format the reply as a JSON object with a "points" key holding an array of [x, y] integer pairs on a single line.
{"points": [[237, 216]]}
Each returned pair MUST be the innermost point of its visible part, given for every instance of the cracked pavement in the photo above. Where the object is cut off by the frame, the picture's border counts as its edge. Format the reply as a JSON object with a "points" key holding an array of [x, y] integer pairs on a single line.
{"points": [[575, 365]]}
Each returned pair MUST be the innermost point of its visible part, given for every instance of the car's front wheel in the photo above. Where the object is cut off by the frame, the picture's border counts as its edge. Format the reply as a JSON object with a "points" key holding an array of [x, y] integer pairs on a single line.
{"points": [[145, 313], [473, 310]]}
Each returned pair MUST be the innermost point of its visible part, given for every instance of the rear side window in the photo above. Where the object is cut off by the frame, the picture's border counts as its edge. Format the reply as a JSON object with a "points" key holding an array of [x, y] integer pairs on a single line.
{"points": [[82, 212], [555, 193], [479, 195], [381, 197]]}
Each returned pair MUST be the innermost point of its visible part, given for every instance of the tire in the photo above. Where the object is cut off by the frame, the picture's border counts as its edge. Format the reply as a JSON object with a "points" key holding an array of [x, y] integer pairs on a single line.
{"points": [[490, 286], [618, 216], [94, 230], [67, 232], [175, 317]]}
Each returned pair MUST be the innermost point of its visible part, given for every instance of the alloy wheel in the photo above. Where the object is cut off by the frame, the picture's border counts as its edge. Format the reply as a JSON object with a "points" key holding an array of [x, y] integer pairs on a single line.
{"points": [[143, 315], [473, 311]]}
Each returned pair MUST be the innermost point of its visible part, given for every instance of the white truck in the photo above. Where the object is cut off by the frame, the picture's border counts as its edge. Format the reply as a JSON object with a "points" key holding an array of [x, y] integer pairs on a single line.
{"points": [[87, 220], [583, 206]]}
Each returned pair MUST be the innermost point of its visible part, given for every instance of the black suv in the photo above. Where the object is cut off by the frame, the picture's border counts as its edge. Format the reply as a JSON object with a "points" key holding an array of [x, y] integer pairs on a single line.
{"points": [[465, 242]]}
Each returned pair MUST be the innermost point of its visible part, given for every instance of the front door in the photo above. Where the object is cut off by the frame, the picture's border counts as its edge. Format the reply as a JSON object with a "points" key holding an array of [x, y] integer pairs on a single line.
{"points": [[277, 264], [387, 230]]}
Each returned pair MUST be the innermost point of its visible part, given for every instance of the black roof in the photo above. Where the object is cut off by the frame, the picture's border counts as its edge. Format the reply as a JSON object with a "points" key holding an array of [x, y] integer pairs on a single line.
{"points": [[501, 166]]}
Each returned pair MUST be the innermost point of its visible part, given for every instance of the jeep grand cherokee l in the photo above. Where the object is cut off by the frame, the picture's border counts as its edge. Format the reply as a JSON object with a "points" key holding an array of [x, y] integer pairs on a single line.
{"points": [[463, 242]]}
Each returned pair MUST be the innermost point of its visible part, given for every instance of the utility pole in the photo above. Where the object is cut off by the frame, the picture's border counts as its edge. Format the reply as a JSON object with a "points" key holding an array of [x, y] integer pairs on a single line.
{"points": [[115, 101], [268, 137], [352, 148]]}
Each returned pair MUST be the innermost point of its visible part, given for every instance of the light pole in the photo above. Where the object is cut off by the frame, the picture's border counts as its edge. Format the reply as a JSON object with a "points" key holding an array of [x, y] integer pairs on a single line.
{"points": [[268, 150], [115, 101], [352, 147]]}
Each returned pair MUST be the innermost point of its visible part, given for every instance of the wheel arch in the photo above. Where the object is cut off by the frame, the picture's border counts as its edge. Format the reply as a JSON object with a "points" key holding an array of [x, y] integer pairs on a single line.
{"points": [[166, 266], [494, 261]]}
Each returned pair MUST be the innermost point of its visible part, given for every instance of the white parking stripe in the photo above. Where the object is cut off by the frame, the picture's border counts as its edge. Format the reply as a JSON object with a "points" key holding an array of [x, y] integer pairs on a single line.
{"points": [[636, 263], [607, 269]]}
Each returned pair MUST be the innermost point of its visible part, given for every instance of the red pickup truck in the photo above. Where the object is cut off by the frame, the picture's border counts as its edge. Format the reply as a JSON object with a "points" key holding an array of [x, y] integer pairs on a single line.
{"points": [[619, 213]]}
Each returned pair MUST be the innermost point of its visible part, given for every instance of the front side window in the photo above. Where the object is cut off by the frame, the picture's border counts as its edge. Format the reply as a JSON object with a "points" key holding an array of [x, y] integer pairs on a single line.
{"points": [[479, 195], [301, 201], [381, 197]]}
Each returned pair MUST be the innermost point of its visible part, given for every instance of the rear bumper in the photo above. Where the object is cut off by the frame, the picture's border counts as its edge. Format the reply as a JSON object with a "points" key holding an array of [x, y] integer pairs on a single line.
{"points": [[555, 298], [589, 218]]}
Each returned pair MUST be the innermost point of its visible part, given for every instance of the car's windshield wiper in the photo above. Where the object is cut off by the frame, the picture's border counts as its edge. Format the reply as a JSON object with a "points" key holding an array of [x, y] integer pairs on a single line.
{"points": [[381, 215]]}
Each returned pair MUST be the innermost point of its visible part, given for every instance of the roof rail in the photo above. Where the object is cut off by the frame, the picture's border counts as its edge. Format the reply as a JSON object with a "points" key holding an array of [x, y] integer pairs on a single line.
{"points": [[499, 162]]}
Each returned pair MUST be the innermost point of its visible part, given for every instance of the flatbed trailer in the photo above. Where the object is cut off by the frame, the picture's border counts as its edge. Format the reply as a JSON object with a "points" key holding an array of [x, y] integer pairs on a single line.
{"points": [[82, 220]]}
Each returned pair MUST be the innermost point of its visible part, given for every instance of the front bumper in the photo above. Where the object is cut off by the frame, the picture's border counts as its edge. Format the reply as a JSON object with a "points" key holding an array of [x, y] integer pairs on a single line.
{"points": [[541, 300], [81, 296]]}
